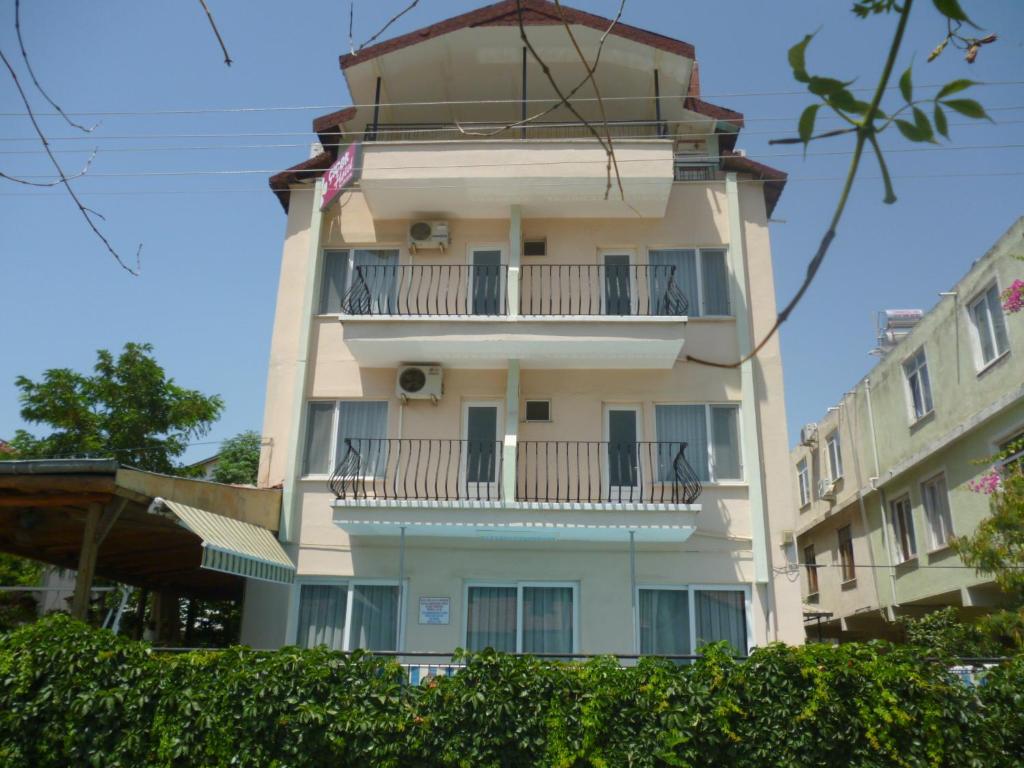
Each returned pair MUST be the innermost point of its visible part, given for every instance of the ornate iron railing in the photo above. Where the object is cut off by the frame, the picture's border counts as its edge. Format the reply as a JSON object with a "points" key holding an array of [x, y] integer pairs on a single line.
{"points": [[423, 469], [602, 471], [427, 289], [601, 289]]}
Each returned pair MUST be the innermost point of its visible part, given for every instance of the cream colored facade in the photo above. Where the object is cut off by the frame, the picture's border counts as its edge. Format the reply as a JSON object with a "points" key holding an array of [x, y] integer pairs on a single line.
{"points": [[542, 519], [893, 456]]}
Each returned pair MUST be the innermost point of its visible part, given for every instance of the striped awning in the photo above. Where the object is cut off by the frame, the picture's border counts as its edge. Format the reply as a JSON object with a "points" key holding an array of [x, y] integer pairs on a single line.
{"points": [[232, 546]]}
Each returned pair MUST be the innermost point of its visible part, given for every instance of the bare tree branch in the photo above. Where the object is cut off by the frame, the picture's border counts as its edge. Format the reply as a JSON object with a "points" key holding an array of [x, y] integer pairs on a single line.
{"points": [[64, 179], [55, 182], [213, 25], [35, 80], [391, 21]]}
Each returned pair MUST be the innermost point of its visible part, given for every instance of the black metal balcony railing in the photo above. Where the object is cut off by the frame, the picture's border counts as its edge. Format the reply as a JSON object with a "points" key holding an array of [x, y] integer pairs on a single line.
{"points": [[405, 468], [586, 471], [600, 289], [548, 471], [545, 289], [463, 131], [427, 289]]}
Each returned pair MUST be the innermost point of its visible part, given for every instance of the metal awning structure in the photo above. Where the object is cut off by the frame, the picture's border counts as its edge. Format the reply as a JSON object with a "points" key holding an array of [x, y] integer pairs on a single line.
{"points": [[96, 517]]}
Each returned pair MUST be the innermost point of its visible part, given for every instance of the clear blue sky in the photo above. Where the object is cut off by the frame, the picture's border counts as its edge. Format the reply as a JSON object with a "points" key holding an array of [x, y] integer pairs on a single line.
{"points": [[212, 243]]}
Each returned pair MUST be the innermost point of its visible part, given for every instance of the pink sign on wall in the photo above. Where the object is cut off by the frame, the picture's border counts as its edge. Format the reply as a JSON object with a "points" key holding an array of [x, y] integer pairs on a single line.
{"points": [[340, 175]]}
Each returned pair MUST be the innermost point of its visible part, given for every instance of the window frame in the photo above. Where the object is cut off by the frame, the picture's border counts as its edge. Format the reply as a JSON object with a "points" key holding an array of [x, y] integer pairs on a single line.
{"points": [[710, 458], [335, 424], [518, 586], [912, 373], [349, 582], [929, 513], [811, 570], [981, 296], [803, 481], [526, 404], [901, 518], [848, 567], [835, 457], [692, 608], [699, 271], [319, 286]]}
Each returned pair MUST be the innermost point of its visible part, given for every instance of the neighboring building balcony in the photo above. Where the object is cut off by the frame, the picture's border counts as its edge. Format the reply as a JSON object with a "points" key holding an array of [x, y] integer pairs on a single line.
{"points": [[560, 315], [565, 489]]}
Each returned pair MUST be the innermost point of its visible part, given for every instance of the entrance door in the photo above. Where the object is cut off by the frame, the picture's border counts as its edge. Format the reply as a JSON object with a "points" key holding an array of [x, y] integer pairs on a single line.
{"points": [[617, 293], [486, 288], [482, 431], [622, 461]]}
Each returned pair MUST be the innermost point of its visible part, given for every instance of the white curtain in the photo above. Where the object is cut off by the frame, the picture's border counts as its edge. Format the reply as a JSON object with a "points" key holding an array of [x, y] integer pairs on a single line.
{"points": [[726, 444], [936, 504], [379, 271], [721, 615], [995, 309], [322, 615], [685, 262], [491, 619], [664, 621], [365, 424], [715, 276], [547, 620], [374, 617], [317, 460], [335, 281], [675, 424]]}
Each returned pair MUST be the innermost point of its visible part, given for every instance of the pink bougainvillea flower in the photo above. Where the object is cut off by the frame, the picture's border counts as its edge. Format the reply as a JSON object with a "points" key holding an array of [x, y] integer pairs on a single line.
{"points": [[1013, 297], [988, 483]]}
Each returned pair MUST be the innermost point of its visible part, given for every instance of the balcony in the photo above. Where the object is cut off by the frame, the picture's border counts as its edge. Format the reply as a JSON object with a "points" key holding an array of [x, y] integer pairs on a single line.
{"points": [[563, 490], [567, 315]]}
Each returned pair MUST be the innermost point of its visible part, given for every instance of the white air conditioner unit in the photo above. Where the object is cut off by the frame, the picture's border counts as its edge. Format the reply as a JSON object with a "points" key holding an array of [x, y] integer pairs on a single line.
{"points": [[827, 489], [809, 434], [419, 382], [424, 235]]}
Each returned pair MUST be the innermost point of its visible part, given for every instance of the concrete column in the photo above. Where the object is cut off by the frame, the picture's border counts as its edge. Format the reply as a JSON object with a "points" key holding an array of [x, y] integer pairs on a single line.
{"points": [[515, 253], [508, 459]]}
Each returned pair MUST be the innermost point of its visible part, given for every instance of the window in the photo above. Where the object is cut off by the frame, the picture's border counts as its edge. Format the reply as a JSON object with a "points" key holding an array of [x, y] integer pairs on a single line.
{"points": [[812, 570], [835, 457], [547, 624], [711, 433], [903, 541], [353, 430], [359, 281], [679, 620], [535, 247], [919, 386], [370, 610], [847, 565], [1014, 453], [936, 510], [701, 274], [803, 477], [538, 410], [989, 325]]}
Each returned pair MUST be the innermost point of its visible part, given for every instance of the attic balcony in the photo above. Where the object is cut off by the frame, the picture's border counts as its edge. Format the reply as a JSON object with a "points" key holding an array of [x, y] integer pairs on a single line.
{"points": [[582, 316]]}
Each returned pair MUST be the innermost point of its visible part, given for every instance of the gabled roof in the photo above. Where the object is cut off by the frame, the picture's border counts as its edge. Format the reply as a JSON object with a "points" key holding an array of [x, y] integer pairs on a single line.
{"points": [[774, 179], [505, 13]]}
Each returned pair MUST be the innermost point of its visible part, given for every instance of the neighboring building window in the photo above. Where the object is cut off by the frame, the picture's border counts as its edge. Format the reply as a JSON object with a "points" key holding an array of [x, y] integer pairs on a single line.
{"points": [[919, 386], [701, 274], [936, 508], [538, 410], [835, 456], [711, 433], [847, 565], [666, 628], [359, 281], [811, 564], [989, 325], [904, 541], [548, 614], [372, 620], [337, 429], [803, 477], [1015, 459]]}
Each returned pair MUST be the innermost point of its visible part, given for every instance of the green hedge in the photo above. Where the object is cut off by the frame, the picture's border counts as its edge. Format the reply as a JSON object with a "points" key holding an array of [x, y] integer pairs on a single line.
{"points": [[71, 696]]}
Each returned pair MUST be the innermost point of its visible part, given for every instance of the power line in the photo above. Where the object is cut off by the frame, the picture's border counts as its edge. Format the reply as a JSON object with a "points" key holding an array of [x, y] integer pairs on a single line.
{"points": [[454, 102]]}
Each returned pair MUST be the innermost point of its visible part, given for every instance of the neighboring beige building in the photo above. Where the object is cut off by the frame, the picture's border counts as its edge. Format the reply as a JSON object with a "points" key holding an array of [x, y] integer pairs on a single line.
{"points": [[901, 447], [480, 382]]}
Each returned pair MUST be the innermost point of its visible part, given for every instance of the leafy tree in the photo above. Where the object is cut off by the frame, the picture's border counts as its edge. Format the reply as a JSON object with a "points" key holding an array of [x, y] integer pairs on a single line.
{"points": [[17, 607], [127, 409], [239, 459]]}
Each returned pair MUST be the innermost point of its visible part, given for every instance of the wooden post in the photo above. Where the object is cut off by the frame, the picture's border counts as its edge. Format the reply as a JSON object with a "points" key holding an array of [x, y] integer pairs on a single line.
{"points": [[86, 564], [140, 613]]}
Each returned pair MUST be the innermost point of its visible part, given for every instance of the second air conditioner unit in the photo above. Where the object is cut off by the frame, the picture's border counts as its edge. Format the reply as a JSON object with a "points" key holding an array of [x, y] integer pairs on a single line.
{"points": [[827, 489], [419, 382], [809, 434], [426, 235]]}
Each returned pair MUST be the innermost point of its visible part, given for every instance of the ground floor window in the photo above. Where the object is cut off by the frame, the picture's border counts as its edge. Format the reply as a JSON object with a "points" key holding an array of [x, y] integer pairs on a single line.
{"points": [[523, 617], [346, 616], [679, 620]]}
